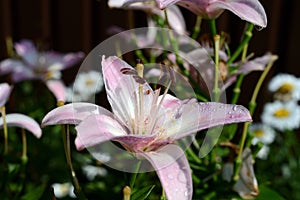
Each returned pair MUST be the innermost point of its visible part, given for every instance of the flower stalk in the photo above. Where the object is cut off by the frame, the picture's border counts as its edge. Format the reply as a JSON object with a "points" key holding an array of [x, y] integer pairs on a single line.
{"points": [[252, 106], [216, 90], [245, 41], [3, 113]]}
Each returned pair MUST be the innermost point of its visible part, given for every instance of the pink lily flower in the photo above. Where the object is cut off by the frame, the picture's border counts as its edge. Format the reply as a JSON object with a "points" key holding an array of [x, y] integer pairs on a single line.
{"points": [[22, 121], [5, 91], [248, 10], [37, 65], [175, 17], [146, 123]]}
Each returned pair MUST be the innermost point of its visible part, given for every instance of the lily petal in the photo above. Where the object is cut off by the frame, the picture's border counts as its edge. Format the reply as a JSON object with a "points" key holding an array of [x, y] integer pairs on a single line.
{"points": [[56, 61], [10, 65], [185, 114], [247, 186], [5, 91], [22, 121], [249, 10], [72, 113], [28, 52], [97, 129], [123, 87], [173, 171], [58, 88]]}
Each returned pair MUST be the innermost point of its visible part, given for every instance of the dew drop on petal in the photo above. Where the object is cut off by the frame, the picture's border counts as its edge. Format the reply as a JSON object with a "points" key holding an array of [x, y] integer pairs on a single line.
{"points": [[186, 193], [170, 176], [235, 108]]}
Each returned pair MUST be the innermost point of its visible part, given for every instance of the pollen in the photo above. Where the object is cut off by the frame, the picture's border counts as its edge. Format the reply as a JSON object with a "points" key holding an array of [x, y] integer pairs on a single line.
{"points": [[285, 88], [281, 113], [89, 82]]}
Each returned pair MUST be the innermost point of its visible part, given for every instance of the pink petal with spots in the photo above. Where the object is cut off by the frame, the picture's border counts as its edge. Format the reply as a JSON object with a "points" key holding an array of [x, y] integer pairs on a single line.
{"points": [[173, 171]]}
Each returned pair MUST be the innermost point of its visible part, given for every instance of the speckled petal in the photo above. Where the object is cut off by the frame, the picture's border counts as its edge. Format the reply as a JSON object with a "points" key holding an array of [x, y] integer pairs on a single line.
{"points": [[173, 171]]}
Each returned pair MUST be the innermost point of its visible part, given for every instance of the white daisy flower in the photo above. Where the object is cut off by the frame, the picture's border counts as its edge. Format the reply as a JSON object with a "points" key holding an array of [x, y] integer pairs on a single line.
{"points": [[88, 83], [262, 133], [92, 171], [63, 189], [282, 116], [263, 152], [286, 87]]}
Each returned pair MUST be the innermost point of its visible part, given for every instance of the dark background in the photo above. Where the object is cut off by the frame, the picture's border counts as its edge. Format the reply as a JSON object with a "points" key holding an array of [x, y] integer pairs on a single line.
{"points": [[79, 25]]}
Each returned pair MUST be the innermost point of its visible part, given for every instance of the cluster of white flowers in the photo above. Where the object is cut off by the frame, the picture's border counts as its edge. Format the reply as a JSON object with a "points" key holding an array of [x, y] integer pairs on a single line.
{"points": [[282, 114], [85, 86]]}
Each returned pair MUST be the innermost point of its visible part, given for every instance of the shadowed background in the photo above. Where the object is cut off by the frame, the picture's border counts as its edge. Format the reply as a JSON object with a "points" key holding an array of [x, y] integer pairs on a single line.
{"points": [[79, 25]]}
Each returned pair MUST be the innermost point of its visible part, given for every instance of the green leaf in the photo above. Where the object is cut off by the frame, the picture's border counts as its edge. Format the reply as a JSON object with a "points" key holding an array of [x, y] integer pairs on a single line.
{"points": [[142, 193], [35, 193], [267, 193]]}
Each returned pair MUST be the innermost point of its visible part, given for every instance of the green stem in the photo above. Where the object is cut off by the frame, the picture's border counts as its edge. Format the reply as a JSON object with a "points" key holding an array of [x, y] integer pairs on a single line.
{"points": [[238, 84], [196, 30], [185, 72], [9, 46], [216, 90], [213, 27], [134, 175], [252, 106], [3, 113], [66, 142], [192, 155], [245, 41], [24, 147]]}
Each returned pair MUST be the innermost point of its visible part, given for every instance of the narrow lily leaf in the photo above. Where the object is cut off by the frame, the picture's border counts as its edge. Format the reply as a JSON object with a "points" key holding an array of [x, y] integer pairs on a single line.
{"points": [[58, 89], [72, 113], [173, 171], [142, 194], [23, 121], [5, 91]]}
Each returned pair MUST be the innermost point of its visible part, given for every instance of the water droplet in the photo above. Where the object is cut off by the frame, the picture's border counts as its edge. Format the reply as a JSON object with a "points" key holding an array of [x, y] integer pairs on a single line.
{"points": [[170, 176], [186, 193], [259, 28], [229, 113], [235, 108]]}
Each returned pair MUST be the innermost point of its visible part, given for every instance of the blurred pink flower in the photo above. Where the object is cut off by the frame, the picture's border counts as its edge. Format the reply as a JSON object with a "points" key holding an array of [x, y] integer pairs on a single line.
{"points": [[37, 65], [146, 123]]}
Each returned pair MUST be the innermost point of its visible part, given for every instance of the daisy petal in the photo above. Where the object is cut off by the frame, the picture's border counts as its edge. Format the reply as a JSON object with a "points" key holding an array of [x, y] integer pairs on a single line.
{"points": [[72, 113], [23, 121], [173, 171]]}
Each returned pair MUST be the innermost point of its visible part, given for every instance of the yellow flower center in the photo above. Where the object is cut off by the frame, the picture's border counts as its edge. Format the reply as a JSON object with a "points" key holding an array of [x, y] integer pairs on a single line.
{"points": [[258, 133], [89, 82], [281, 113], [285, 88]]}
